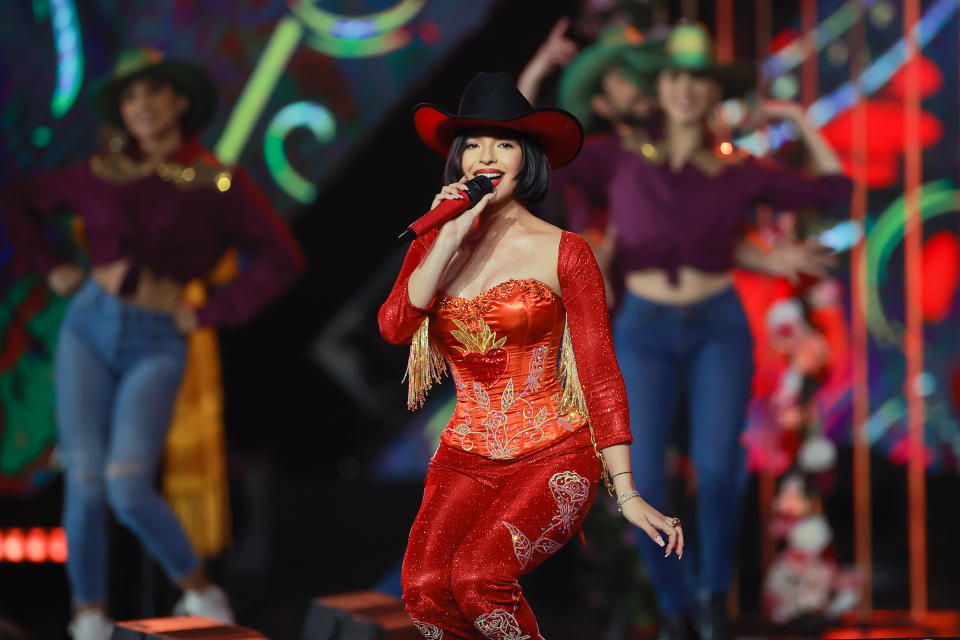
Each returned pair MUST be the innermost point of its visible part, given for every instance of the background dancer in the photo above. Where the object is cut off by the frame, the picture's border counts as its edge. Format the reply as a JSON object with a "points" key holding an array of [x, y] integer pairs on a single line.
{"points": [[158, 213]]}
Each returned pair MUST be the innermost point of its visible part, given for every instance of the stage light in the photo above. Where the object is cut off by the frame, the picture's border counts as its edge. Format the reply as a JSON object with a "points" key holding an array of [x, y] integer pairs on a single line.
{"points": [[57, 545], [38, 545], [842, 236], [883, 13], [35, 545], [13, 544], [223, 181], [785, 87], [838, 53], [925, 383], [41, 136], [733, 112]]}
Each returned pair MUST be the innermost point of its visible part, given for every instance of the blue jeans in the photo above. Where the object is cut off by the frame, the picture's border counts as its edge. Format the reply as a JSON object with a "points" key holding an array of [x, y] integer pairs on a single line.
{"points": [[117, 374], [703, 353]]}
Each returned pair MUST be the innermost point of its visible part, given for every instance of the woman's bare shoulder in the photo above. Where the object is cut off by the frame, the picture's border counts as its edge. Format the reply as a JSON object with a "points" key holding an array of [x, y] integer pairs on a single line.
{"points": [[541, 231]]}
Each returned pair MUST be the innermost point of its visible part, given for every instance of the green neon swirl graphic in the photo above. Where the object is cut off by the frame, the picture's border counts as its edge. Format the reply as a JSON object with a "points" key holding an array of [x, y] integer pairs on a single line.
{"points": [[337, 25], [262, 82], [299, 114], [66, 35], [936, 198], [372, 34], [365, 48]]}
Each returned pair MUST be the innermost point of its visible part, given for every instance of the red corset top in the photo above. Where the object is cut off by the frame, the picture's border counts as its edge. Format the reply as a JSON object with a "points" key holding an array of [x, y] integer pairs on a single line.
{"points": [[502, 347]]}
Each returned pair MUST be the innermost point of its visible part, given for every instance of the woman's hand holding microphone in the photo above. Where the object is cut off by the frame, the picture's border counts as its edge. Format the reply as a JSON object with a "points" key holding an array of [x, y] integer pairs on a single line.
{"points": [[453, 232]]}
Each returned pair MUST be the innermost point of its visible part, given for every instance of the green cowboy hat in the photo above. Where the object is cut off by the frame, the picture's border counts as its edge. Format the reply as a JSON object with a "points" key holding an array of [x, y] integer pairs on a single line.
{"points": [[689, 47], [618, 47], [186, 77]]}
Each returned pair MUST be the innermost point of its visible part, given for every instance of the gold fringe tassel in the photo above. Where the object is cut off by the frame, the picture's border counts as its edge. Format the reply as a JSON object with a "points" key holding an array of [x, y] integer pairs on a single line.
{"points": [[573, 399], [425, 365]]}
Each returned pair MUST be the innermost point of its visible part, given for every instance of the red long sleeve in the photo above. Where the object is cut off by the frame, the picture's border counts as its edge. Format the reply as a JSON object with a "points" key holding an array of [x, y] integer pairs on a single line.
{"points": [[581, 286], [399, 319]]}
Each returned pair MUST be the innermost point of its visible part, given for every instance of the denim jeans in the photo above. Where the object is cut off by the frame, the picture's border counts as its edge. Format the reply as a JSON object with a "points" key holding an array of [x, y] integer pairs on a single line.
{"points": [[702, 353], [117, 374]]}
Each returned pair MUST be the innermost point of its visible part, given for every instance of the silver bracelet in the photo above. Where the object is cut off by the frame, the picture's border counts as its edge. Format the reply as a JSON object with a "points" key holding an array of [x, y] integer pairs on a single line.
{"points": [[626, 496]]}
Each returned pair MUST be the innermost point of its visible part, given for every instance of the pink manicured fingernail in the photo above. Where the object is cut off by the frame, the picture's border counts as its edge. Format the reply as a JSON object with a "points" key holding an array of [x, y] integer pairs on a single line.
{"points": [[660, 541]]}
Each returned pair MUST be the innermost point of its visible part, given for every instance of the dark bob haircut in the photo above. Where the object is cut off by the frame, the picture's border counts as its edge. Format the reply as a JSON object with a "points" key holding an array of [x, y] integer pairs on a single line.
{"points": [[532, 180]]}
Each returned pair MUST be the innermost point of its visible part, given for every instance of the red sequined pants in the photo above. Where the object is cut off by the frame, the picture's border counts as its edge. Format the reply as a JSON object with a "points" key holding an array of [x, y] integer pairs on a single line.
{"points": [[483, 524]]}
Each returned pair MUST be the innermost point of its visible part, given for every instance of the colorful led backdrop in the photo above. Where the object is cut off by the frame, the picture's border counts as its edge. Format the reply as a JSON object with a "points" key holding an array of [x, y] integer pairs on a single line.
{"points": [[301, 84]]}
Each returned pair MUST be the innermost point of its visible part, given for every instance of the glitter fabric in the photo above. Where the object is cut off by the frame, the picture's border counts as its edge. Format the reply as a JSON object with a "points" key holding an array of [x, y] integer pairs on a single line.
{"points": [[508, 401], [482, 525], [504, 346], [399, 319], [584, 300], [516, 470]]}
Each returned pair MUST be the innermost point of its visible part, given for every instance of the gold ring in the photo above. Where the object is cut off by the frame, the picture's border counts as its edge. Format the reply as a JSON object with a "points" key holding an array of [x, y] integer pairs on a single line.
{"points": [[675, 523]]}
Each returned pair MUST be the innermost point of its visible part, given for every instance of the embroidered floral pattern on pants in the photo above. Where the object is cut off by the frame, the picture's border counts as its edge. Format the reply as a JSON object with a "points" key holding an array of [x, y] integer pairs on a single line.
{"points": [[499, 624], [570, 491], [427, 630]]}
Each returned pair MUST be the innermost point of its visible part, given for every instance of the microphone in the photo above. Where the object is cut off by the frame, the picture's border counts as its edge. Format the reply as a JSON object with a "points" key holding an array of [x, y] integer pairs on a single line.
{"points": [[449, 209]]}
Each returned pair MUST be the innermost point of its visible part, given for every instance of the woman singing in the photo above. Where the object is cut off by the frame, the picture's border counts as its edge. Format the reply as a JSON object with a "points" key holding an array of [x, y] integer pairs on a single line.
{"points": [[503, 297]]}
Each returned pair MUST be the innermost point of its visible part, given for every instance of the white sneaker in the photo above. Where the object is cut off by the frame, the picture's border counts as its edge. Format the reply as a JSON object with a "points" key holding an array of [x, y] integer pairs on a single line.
{"points": [[92, 624], [209, 602]]}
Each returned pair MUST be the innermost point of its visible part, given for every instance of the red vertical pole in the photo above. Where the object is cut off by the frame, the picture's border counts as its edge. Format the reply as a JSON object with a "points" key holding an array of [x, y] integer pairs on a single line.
{"points": [[725, 32], [862, 523], [913, 341], [763, 26], [810, 69], [766, 482]]}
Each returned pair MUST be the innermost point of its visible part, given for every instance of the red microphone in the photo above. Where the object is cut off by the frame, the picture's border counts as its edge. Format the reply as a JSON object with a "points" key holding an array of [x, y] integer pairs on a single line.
{"points": [[449, 209]]}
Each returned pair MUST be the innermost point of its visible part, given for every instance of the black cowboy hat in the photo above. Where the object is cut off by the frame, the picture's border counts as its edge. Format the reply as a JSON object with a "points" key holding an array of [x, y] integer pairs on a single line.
{"points": [[186, 77], [493, 100]]}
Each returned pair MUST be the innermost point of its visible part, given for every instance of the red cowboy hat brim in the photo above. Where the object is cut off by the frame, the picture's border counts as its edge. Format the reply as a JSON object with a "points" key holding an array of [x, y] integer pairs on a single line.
{"points": [[557, 132]]}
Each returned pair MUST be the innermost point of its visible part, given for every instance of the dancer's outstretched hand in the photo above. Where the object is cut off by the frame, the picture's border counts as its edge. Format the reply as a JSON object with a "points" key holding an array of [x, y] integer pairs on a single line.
{"points": [[791, 259], [556, 52], [639, 513]]}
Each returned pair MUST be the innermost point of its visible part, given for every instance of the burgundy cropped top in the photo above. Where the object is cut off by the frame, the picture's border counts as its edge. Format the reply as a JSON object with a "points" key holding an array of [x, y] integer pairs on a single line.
{"points": [[692, 217], [179, 231]]}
